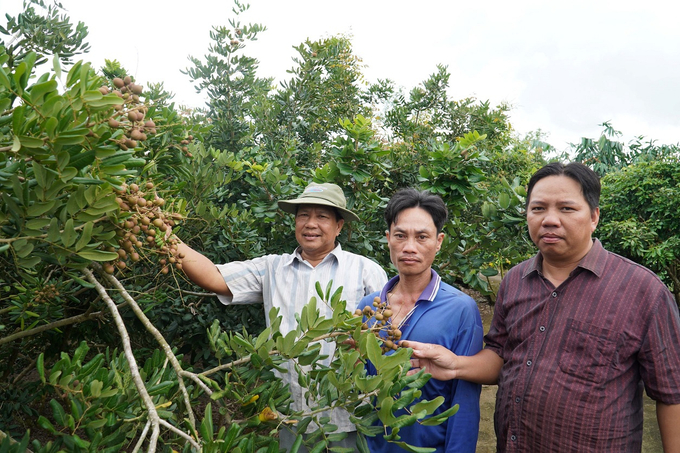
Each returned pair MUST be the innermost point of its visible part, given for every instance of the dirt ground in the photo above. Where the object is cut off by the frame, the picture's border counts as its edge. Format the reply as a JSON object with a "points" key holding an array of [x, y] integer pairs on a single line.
{"points": [[651, 441]]}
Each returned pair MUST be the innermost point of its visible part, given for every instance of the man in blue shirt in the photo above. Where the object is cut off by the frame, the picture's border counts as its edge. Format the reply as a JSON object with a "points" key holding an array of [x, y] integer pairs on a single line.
{"points": [[425, 309]]}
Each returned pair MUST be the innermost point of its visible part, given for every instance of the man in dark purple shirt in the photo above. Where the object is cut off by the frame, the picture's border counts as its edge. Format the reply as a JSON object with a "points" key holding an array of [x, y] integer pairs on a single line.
{"points": [[577, 334]]}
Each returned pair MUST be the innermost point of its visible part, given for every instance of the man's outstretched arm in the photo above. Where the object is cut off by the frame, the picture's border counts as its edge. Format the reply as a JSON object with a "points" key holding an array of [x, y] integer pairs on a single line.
{"points": [[668, 416], [202, 271], [481, 368]]}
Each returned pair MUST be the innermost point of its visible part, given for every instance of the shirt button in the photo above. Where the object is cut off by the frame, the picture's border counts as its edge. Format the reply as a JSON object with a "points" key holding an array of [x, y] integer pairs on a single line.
{"points": [[542, 328], [517, 400], [513, 438], [554, 294], [529, 362]]}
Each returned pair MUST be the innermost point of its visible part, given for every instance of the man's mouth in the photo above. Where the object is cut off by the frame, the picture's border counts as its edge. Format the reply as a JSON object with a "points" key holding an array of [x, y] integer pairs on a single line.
{"points": [[550, 238]]}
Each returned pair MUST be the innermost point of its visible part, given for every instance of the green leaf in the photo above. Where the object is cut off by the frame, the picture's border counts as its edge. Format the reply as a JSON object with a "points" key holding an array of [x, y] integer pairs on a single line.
{"points": [[262, 338], [440, 418], [43, 422], [93, 95], [414, 449], [40, 365], [160, 388], [374, 352], [97, 255], [85, 236], [68, 173], [38, 209], [68, 236], [30, 142], [53, 232], [504, 200], [56, 66], [96, 388], [427, 406], [37, 224], [38, 91], [206, 427], [58, 412]]}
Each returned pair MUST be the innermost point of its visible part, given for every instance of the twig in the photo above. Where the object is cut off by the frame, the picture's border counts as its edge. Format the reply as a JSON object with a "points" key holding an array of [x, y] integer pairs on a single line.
{"points": [[181, 433], [142, 437], [159, 338], [62, 322], [132, 363]]}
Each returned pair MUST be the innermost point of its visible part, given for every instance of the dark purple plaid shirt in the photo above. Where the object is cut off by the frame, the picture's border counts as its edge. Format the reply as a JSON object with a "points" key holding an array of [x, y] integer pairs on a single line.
{"points": [[576, 357]]}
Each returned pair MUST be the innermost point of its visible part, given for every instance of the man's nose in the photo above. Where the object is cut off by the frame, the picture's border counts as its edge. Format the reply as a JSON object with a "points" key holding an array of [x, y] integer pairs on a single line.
{"points": [[551, 218], [410, 244]]}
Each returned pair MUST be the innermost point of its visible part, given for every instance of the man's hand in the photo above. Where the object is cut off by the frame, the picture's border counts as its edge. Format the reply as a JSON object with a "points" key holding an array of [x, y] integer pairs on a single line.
{"points": [[435, 359]]}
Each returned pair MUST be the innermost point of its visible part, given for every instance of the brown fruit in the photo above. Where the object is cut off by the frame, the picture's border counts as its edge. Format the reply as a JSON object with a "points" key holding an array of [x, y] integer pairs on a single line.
{"points": [[127, 80], [136, 89], [114, 123], [136, 134], [104, 90], [118, 82]]}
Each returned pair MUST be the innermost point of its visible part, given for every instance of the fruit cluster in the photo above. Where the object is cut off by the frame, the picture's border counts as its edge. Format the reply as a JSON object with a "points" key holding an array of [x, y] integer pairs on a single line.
{"points": [[382, 315], [130, 113], [46, 294], [144, 224]]}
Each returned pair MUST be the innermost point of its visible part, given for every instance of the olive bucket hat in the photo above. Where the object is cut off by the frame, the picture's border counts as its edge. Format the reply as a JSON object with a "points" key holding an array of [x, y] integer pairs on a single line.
{"points": [[321, 194]]}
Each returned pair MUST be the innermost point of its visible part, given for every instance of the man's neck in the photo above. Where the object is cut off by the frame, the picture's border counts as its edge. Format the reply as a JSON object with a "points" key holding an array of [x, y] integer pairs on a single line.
{"points": [[410, 287]]}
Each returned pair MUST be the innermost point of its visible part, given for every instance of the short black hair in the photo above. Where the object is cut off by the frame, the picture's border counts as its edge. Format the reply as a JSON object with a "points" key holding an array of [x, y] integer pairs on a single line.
{"points": [[584, 176], [411, 198]]}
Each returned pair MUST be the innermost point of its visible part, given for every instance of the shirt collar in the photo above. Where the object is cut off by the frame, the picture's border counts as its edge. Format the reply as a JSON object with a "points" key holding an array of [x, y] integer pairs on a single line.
{"points": [[594, 261], [297, 255], [428, 293]]}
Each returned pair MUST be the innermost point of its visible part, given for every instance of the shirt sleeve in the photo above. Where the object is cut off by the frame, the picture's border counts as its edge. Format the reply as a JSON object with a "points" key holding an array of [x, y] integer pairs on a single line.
{"points": [[463, 428], [660, 352], [245, 280], [496, 337], [374, 277]]}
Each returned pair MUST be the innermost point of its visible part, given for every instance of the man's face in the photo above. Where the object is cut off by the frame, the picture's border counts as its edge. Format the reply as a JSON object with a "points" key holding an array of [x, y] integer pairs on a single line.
{"points": [[316, 229], [413, 242], [560, 221]]}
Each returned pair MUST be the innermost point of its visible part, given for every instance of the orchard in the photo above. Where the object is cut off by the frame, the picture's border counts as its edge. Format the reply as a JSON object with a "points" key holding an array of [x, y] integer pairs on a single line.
{"points": [[104, 343]]}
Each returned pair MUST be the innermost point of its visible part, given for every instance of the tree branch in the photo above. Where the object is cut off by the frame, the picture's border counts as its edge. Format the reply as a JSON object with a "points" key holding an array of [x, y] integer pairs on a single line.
{"points": [[88, 315], [159, 338], [154, 418]]}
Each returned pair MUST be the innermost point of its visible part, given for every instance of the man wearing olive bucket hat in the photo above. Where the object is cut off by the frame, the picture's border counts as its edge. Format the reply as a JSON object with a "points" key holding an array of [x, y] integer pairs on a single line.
{"points": [[288, 281]]}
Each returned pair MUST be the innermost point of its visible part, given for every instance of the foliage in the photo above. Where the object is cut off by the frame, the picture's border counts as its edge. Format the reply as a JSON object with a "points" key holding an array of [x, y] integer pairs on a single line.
{"points": [[638, 217], [51, 34], [606, 154], [96, 169]]}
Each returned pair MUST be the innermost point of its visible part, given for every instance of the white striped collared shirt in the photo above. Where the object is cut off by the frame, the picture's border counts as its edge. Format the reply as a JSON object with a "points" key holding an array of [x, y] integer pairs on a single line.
{"points": [[288, 282]]}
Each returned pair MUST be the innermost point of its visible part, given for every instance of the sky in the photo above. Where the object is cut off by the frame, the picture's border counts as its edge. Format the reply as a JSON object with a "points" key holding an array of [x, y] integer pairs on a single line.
{"points": [[563, 67]]}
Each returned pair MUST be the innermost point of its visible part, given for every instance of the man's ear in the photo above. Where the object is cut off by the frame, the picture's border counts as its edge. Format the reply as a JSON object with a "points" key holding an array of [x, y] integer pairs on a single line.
{"points": [[440, 239]]}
